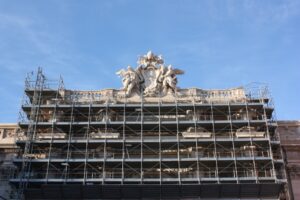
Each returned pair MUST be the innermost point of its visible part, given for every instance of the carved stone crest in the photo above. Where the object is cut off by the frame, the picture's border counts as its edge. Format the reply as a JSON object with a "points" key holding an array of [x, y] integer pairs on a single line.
{"points": [[150, 78]]}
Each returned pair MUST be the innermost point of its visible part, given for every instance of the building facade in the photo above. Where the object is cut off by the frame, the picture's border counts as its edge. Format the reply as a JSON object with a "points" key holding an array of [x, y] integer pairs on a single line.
{"points": [[289, 132], [148, 140], [8, 150]]}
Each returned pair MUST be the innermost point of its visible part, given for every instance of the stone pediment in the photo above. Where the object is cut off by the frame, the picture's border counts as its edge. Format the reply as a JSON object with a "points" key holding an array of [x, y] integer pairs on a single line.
{"points": [[152, 82]]}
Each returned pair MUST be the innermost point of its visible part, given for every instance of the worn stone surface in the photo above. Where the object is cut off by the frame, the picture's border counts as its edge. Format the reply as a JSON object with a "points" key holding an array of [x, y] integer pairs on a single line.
{"points": [[8, 150], [289, 133]]}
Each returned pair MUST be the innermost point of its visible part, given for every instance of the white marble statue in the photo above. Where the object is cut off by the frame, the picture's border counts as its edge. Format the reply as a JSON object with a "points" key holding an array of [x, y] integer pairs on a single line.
{"points": [[170, 79], [156, 87], [150, 59], [151, 77], [130, 79]]}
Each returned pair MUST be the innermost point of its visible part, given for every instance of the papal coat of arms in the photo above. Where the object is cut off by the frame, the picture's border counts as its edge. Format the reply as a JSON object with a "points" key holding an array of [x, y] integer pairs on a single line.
{"points": [[150, 78]]}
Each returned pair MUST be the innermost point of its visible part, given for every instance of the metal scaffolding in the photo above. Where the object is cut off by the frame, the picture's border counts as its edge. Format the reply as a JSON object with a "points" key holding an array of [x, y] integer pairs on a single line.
{"points": [[101, 138]]}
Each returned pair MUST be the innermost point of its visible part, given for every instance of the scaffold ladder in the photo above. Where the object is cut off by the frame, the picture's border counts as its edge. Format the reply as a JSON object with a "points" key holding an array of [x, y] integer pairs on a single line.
{"points": [[33, 119]]}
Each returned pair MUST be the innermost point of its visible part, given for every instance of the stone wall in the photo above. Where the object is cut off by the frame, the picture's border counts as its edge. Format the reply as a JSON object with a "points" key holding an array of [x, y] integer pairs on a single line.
{"points": [[289, 133], [8, 151]]}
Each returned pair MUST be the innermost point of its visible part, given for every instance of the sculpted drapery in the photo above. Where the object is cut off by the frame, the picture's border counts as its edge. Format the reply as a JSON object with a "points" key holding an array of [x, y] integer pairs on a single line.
{"points": [[150, 78]]}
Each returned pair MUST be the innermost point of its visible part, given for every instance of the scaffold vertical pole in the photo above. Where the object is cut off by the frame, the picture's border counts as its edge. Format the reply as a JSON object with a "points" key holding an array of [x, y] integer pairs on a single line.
{"points": [[33, 119]]}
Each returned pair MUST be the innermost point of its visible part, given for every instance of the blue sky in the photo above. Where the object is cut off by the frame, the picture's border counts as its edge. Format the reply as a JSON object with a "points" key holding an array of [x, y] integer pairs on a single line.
{"points": [[219, 44]]}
